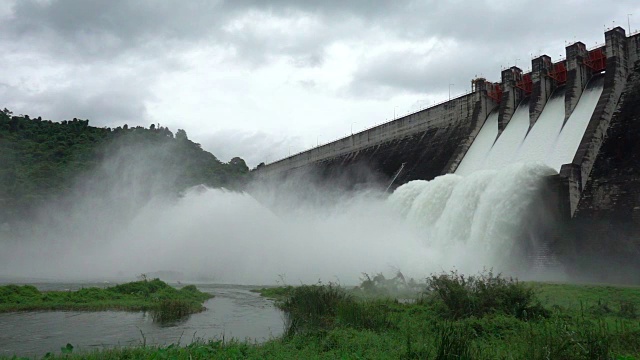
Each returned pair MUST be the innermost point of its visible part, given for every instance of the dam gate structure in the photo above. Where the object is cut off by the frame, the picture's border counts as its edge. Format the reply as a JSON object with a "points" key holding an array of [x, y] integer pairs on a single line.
{"points": [[589, 101]]}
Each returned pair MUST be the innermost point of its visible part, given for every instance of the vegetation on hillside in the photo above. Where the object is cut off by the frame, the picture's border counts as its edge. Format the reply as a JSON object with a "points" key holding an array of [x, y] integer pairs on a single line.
{"points": [[42, 160]]}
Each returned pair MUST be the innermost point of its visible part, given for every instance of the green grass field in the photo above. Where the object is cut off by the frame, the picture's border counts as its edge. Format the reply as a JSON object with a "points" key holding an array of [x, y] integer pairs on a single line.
{"points": [[453, 317]]}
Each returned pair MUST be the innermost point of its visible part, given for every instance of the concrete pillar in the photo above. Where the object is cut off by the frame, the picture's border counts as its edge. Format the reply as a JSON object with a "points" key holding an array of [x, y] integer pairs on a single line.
{"points": [[479, 84], [615, 79], [511, 96], [482, 106], [633, 45], [578, 75], [616, 47], [543, 86], [571, 175]]}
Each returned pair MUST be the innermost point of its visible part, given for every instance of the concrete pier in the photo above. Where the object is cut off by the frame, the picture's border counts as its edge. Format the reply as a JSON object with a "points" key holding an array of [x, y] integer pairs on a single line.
{"points": [[543, 86], [511, 96]]}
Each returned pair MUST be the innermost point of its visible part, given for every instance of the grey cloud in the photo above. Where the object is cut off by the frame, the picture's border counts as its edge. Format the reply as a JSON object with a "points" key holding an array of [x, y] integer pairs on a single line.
{"points": [[121, 24], [82, 29], [115, 25], [421, 72], [112, 103], [106, 33]]}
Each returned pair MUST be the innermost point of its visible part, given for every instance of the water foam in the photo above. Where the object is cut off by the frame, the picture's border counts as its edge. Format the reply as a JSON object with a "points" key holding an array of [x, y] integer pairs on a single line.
{"points": [[474, 220], [469, 223]]}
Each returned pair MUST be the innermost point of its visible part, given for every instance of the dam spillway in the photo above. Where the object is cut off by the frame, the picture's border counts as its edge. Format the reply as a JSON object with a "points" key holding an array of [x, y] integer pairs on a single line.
{"points": [[576, 115], [551, 140]]}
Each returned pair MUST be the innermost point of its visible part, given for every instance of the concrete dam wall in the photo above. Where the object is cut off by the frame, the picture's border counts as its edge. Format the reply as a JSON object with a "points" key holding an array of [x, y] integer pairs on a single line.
{"points": [[578, 115], [434, 141], [425, 142]]}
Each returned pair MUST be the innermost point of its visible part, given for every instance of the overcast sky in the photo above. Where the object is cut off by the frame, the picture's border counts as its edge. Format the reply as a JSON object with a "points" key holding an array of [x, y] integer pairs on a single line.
{"points": [[258, 79]]}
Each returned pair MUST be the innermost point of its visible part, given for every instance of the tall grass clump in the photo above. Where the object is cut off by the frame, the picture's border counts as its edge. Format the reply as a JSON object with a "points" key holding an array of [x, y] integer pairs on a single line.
{"points": [[171, 310], [310, 307], [571, 340], [453, 343], [369, 315], [463, 296], [313, 308]]}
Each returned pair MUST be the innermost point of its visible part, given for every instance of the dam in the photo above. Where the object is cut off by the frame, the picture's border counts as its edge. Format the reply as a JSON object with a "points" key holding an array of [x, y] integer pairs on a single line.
{"points": [[579, 116]]}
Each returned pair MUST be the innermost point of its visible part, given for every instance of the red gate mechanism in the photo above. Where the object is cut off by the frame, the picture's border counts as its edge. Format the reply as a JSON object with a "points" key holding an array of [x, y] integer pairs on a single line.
{"points": [[597, 60], [525, 84], [494, 92], [559, 72]]}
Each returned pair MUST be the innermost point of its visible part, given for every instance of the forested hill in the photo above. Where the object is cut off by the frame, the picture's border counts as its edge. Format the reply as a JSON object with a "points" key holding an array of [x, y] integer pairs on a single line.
{"points": [[42, 160]]}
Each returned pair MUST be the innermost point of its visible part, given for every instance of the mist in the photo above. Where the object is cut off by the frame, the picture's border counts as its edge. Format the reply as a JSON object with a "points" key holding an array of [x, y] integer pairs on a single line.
{"points": [[121, 220]]}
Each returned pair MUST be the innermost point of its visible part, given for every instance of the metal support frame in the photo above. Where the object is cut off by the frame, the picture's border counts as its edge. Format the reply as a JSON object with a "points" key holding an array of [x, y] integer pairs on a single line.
{"points": [[526, 84], [558, 72], [597, 60]]}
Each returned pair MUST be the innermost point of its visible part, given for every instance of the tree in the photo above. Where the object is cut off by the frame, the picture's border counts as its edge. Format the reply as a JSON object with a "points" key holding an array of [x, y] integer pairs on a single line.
{"points": [[239, 165], [181, 135], [42, 159]]}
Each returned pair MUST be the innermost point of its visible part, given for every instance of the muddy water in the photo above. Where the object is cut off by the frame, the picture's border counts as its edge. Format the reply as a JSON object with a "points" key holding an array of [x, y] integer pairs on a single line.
{"points": [[234, 312]]}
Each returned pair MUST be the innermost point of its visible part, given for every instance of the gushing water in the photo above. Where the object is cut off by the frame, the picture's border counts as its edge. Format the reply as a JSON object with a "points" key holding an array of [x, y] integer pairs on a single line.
{"points": [[478, 218], [550, 141], [568, 141], [301, 233], [506, 146], [469, 223], [540, 140], [476, 157]]}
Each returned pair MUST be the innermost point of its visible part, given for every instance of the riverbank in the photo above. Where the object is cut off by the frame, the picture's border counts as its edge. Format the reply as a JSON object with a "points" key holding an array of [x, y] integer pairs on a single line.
{"points": [[145, 295], [485, 317]]}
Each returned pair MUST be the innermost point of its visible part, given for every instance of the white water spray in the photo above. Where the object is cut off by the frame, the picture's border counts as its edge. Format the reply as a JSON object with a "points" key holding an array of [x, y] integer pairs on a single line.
{"points": [[473, 222], [469, 223]]}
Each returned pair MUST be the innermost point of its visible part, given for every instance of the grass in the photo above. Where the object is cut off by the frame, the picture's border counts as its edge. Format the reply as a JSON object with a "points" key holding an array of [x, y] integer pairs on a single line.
{"points": [[165, 302], [455, 318], [274, 293], [611, 301]]}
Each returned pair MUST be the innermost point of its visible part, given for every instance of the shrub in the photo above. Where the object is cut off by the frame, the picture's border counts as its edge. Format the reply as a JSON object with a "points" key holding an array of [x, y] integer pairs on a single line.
{"points": [[18, 291], [144, 287], [464, 296]]}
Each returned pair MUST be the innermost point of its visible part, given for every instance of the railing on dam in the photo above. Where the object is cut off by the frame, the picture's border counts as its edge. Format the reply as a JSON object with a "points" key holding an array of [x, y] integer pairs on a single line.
{"points": [[406, 115]]}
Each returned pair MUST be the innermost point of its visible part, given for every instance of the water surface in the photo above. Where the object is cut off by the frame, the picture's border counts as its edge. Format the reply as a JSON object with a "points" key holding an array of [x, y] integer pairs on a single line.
{"points": [[234, 312]]}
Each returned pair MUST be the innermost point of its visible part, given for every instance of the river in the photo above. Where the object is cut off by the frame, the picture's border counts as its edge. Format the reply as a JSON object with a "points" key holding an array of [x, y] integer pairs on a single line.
{"points": [[234, 312]]}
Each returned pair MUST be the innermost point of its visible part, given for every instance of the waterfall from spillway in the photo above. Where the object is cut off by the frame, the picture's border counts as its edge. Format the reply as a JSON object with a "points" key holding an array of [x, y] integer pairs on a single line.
{"points": [[476, 217], [568, 141], [492, 211], [550, 140]]}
